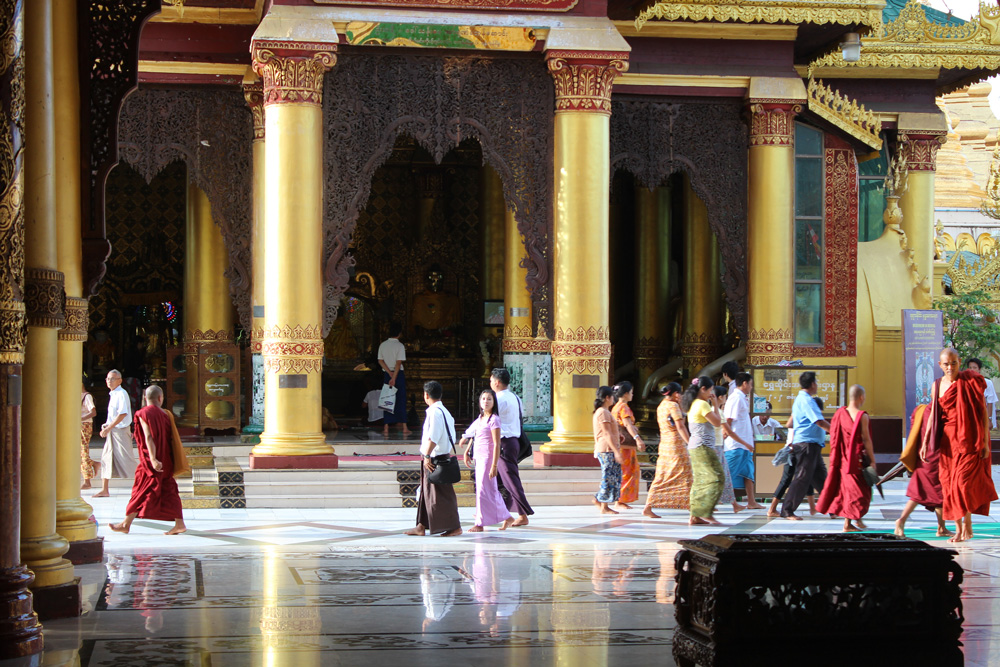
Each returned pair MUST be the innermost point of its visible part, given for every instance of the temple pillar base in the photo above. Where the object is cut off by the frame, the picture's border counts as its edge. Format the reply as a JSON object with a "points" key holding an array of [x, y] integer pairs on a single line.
{"points": [[546, 459], [280, 462], [20, 632], [73, 520], [61, 601], [86, 551]]}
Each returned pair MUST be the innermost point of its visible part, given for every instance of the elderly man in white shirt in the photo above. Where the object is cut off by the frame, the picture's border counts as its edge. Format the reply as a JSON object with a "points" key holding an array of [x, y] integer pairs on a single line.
{"points": [[437, 506], [116, 457], [739, 441], [508, 474]]}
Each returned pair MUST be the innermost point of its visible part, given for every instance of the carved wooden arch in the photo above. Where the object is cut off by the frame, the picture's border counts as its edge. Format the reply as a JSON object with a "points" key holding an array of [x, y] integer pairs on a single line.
{"points": [[506, 104], [653, 138], [210, 130]]}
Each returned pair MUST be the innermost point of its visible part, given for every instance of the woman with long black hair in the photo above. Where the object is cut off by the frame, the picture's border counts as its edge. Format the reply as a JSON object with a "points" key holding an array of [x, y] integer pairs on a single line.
{"points": [[607, 450], [703, 414]]}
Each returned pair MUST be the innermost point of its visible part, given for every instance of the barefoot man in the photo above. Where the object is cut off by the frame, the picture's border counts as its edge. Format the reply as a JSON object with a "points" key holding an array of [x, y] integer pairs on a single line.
{"points": [[846, 493], [154, 493], [116, 457], [807, 445]]}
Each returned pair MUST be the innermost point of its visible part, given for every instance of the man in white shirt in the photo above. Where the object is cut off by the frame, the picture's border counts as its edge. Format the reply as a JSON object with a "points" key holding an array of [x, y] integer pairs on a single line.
{"points": [[508, 473], [391, 355], [739, 443], [437, 506], [116, 457], [990, 392], [767, 426]]}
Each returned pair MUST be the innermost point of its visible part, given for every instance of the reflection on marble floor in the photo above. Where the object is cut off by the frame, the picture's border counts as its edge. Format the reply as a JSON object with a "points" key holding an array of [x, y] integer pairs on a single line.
{"points": [[345, 587]]}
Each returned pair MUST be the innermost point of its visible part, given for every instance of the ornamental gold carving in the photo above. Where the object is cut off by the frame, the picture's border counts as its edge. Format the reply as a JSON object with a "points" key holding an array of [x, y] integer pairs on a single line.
{"points": [[769, 346], [842, 12], [254, 95], [772, 123], [193, 338], [77, 319], [292, 365], [292, 72], [515, 345], [583, 80], [845, 113], [288, 349], [650, 352], [44, 298], [583, 351], [920, 151], [13, 330], [256, 338]]}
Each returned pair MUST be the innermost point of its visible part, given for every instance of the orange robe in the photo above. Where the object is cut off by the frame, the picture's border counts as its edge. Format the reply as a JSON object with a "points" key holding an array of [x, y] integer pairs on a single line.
{"points": [[966, 479], [846, 493]]}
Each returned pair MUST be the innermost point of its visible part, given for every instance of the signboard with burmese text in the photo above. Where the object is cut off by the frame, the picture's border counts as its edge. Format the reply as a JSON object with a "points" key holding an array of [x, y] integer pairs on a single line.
{"points": [[923, 331], [779, 385]]}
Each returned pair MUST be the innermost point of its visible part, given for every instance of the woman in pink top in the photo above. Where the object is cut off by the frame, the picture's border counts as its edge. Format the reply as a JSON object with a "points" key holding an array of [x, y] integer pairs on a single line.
{"points": [[483, 436]]}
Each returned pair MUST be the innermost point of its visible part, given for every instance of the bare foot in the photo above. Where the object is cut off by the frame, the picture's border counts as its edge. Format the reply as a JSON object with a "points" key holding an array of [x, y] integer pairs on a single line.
{"points": [[418, 530], [898, 531], [507, 523], [773, 514], [737, 508], [851, 529], [119, 527], [755, 506], [861, 524], [176, 531], [944, 532], [697, 521], [792, 517], [452, 533], [813, 511], [407, 431], [101, 494], [521, 521], [622, 506], [712, 521], [957, 538], [86, 485], [604, 510], [385, 432], [476, 529], [648, 512]]}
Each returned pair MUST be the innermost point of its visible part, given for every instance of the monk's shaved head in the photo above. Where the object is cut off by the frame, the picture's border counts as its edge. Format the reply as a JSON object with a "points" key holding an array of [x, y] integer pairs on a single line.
{"points": [[948, 353], [855, 392]]}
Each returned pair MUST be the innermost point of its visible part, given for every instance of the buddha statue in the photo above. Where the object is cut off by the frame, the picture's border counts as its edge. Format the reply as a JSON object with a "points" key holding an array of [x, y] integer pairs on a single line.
{"points": [[434, 309]]}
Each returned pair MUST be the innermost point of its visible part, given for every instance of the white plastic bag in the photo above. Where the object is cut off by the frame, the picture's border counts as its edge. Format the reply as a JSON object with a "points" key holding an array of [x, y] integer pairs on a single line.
{"points": [[387, 398]]}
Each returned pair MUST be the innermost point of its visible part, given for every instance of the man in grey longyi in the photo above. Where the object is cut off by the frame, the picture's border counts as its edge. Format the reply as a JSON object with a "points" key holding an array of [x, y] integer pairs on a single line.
{"points": [[116, 457]]}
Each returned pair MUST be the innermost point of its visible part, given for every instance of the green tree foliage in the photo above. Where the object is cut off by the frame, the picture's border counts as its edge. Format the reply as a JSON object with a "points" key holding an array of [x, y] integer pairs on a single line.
{"points": [[971, 327]]}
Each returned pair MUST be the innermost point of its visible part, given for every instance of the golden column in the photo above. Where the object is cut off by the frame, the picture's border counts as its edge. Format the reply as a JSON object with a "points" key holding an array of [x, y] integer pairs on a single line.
{"points": [[771, 227], [917, 203], [208, 308], [253, 90], [293, 231], [72, 512], [702, 335], [41, 546], [581, 350], [20, 632], [652, 319]]}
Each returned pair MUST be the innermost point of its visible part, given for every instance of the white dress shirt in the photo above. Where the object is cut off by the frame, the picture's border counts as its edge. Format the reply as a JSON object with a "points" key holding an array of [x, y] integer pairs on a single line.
{"points": [[509, 407], [767, 428], [738, 410], [991, 401], [391, 351], [119, 404], [438, 426]]}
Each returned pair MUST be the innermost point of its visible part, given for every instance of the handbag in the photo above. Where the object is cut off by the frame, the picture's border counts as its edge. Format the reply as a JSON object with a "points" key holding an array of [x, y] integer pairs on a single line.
{"points": [[387, 398], [446, 470], [524, 444]]}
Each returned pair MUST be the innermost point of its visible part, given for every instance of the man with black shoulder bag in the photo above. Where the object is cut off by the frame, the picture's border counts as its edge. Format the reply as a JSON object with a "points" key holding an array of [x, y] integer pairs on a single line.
{"points": [[437, 506], [511, 433]]}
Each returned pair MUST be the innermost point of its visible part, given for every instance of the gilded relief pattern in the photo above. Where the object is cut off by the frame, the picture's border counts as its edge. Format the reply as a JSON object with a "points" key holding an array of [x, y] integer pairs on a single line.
{"points": [[287, 349], [195, 337], [921, 151], [581, 350], [292, 72], [583, 80], [772, 124], [769, 346], [77, 319], [44, 298], [519, 340], [651, 352], [847, 12], [254, 95], [13, 322]]}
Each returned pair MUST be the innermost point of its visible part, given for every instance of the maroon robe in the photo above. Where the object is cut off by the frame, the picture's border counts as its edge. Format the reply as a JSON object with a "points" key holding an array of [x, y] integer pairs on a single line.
{"points": [[154, 494], [925, 483], [966, 479], [846, 493]]}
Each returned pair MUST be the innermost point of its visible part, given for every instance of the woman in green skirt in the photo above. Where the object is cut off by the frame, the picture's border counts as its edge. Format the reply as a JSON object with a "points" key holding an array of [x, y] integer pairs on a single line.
{"points": [[702, 407]]}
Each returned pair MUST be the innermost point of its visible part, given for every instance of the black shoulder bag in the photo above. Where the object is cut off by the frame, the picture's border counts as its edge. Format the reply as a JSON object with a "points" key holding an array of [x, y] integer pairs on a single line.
{"points": [[446, 470], [525, 444]]}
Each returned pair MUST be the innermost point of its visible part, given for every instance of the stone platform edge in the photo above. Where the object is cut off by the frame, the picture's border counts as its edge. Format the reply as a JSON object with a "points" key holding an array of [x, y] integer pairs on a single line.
{"points": [[316, 462]]}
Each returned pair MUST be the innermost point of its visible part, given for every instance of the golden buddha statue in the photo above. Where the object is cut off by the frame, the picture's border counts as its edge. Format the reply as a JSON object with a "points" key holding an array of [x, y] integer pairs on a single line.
{"points": [[433, 309]]}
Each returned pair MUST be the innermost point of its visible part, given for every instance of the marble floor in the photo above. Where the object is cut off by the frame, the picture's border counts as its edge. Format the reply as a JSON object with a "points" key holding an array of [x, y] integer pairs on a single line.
{"points": [[345, 587]]}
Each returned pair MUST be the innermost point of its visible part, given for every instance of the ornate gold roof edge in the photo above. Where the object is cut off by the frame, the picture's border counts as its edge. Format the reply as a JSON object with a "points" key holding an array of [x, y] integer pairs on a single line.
{"points": [[845, 113], [866, 13]]}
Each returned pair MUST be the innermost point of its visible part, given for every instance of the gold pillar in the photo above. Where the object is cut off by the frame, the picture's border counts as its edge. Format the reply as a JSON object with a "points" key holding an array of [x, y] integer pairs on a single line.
{"points": [[917, 202], [293, 343], [517, 323], [652, 254], [771, 230], [493, 216], [72, 512], [208, 308], [41, 546], [253, 90], [702, 336], [581, 349]]}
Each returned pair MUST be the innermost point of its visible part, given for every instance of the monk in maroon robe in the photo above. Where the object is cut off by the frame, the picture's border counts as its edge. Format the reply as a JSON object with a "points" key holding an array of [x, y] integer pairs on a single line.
{"points": [[154, 492], [921, 456], [846, 493], [964, 442]]}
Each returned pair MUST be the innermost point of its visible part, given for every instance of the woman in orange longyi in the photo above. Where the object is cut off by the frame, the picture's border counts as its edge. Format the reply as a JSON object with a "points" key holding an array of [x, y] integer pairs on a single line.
{"points": [[631, 476]]}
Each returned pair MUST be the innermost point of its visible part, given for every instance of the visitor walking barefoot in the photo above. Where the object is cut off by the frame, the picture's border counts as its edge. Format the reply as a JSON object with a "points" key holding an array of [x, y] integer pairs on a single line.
{"points": [[631, 476], [846, 493], [708, 477], [721, 431], [607, 450], [87, 413], [671, 487], [483, 436]]}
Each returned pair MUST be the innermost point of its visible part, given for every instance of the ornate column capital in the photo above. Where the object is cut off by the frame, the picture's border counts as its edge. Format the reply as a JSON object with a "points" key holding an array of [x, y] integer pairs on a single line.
{"points": [[770, 346], [45, 298], [772, 121], [253, 92], [518, 340], [920, 148], [582, 351], [583, 79], [77, 318], [195, 337], [292, 72]]}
